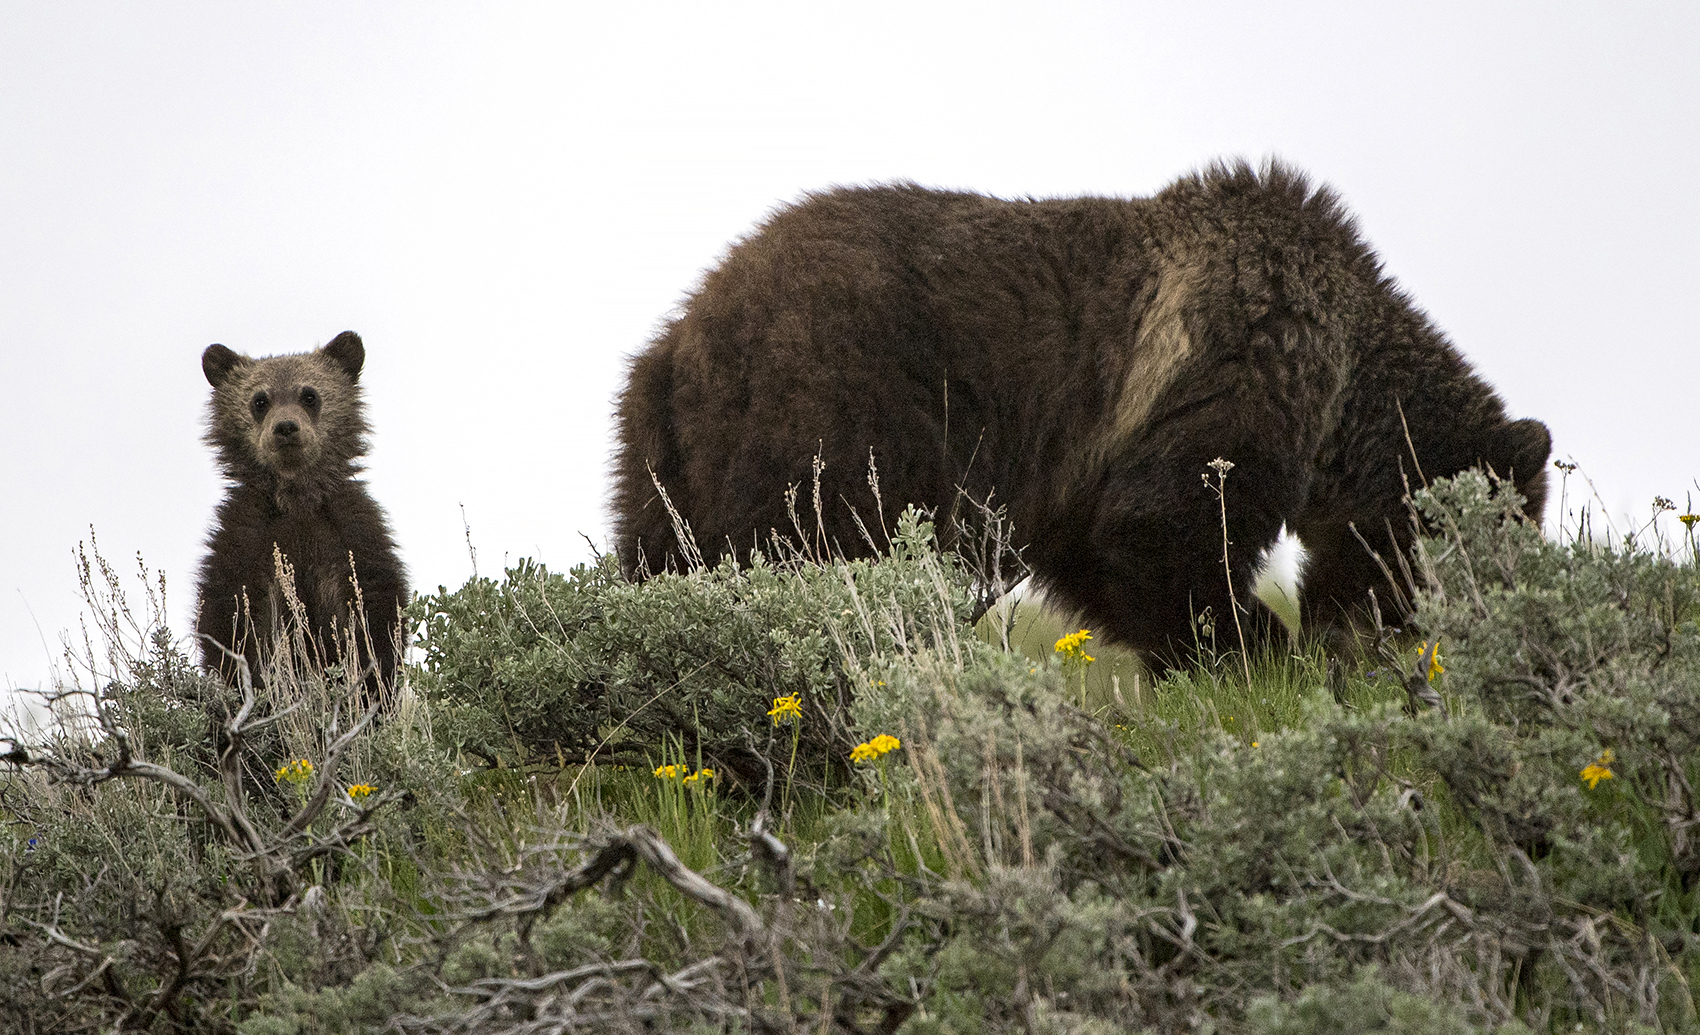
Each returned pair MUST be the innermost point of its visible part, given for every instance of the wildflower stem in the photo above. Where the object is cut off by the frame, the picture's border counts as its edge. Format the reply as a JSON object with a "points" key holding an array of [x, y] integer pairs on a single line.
{"points": [[791, 770], [1222, 467]]}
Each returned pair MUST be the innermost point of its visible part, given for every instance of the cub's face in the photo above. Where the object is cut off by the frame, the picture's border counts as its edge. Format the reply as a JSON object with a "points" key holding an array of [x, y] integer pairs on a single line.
{"points": [[287, 414]]}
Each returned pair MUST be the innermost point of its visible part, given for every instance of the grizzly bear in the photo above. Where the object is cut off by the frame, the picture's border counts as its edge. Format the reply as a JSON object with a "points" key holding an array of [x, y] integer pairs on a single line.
{"points": [[1083, 359], [289, 431]]}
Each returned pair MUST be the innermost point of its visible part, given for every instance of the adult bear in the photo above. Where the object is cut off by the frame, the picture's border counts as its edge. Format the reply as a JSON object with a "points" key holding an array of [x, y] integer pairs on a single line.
{"points": [[1083, 358]]}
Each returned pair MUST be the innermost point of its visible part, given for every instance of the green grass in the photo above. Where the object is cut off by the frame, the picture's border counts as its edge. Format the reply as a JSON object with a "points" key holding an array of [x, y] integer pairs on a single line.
{"points": [[1270, 834], [1156, 713]]}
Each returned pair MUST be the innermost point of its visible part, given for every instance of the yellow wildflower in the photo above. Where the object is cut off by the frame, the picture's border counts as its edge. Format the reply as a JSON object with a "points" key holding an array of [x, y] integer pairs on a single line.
{"points": [[1688, 520], [671, 772], [361, 791], [701, 775], [298, 771], [872, 749], [786, 709], [1070, 647], [1598, 770], [1435, 668]]}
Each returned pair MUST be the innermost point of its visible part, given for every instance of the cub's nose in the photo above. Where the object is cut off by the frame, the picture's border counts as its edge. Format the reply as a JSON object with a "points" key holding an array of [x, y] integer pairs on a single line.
{"points": [[286, 429]]}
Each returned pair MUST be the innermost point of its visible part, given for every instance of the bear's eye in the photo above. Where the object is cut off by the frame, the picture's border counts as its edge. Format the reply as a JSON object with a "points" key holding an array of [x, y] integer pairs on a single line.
{"points": [[259, 405], [310, 398]]}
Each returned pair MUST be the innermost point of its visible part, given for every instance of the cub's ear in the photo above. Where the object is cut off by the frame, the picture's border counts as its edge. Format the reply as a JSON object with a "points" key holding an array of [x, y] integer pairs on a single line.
{"points": [[348, 352], [1528, 444], [217, 362]]}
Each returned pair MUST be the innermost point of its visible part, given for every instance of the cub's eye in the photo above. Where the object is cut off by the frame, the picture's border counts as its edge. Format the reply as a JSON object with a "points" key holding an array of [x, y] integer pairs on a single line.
{"points": [[259, 405], [310, 398]]}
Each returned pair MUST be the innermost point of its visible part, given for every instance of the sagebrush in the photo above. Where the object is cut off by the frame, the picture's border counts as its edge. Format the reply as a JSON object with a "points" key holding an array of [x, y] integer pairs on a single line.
{"points": [[591, 812]]}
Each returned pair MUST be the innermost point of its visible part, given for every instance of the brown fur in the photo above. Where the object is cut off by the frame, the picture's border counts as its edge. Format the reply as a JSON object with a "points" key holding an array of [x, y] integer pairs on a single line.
{"points": [[289, 431], [1085, 358]]}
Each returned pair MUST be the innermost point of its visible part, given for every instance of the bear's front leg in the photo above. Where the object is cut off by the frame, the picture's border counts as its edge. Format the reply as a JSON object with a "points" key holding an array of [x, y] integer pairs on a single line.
{"points": [[1172, 548]]}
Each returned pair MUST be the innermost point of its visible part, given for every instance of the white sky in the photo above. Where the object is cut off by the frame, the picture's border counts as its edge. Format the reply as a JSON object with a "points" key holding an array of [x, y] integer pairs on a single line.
{"points": [[505, 200]]}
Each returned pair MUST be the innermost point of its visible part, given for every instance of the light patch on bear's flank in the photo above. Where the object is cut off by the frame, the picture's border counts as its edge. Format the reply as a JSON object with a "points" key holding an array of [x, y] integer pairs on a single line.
{"points": [[1159, 349]]}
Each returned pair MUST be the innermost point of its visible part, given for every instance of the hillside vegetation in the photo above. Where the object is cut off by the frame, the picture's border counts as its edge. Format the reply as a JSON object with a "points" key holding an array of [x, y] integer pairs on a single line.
{"points": [[803, 797]]}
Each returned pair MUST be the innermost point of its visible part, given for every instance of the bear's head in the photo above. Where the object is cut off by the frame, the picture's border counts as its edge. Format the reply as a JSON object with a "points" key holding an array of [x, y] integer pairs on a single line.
{"points": [[297, 419]]}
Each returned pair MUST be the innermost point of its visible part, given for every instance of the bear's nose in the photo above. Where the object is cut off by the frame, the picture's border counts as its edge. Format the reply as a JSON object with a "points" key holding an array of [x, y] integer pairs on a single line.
{"points": [[285, 429]]}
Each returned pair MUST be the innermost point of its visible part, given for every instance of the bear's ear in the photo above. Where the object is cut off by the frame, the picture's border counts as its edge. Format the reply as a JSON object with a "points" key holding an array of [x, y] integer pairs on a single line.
{"points": [[348, 352], [217, 362], [1528, 443]]}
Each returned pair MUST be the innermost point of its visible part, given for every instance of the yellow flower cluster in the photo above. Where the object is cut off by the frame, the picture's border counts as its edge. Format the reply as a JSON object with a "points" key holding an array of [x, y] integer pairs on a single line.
{"points": [[361, 791], [1688, 520], [870, 750], [786, 709], [1598, 770], [683, 774], [298, 771], [1070, 647], [1435, 668]]}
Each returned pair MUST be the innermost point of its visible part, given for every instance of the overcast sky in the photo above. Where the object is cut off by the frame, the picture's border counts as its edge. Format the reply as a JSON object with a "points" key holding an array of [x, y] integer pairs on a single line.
{"points": [[505, 200]]}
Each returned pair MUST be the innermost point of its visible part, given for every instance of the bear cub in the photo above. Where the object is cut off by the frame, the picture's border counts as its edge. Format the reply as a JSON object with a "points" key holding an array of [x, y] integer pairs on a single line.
{"points": [[289, 431]]}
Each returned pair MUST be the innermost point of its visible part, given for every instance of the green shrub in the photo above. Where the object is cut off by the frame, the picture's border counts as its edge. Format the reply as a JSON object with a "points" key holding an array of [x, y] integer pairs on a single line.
{"points": [[1305, 852], [543, 668]]}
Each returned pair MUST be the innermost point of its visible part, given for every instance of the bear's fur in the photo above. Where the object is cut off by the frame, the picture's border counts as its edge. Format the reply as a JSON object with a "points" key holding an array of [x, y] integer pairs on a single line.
{"points": [[1084, 358], [289, 431]]}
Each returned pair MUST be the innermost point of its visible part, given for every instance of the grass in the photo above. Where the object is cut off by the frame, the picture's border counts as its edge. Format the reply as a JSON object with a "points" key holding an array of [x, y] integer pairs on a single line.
{"points": [[1055, 839], [1153, 710], [1158, 719]]}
